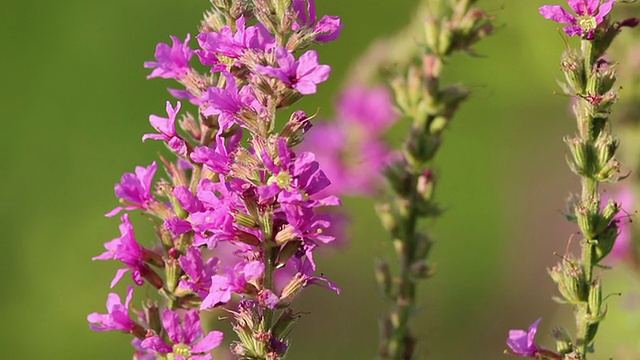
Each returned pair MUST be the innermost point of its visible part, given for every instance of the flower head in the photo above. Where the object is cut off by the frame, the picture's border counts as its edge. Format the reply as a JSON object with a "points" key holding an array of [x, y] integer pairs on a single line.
{"points": [[589, 16]]}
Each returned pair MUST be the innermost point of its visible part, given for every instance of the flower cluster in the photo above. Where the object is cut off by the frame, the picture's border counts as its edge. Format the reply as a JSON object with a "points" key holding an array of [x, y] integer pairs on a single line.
{"points": [[351, 146], [239, 214]]}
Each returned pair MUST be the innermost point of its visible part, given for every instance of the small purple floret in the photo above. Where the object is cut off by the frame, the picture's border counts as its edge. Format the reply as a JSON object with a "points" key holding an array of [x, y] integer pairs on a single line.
{"points": [[302, 75], [172, 62], [522, 342]]}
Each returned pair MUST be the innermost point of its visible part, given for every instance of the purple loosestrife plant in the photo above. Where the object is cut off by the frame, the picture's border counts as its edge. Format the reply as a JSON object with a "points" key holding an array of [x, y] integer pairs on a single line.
{"points": [[239, 213], [590, 81], [410, 194]]}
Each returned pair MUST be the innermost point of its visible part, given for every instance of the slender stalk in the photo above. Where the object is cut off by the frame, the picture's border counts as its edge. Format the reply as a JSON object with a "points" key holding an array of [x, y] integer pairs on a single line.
{"points": [[430, 107]]}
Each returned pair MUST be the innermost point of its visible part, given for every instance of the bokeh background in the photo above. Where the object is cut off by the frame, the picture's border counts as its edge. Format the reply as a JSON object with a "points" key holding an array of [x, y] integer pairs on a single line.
{"points": [[75, 103]]}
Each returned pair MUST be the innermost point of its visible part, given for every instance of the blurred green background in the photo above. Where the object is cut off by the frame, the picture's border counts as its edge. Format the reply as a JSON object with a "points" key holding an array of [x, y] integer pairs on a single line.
{"points": [[75, 104]]}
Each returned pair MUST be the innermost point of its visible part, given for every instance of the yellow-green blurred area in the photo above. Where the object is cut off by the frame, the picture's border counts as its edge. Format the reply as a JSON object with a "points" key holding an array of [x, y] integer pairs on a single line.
{"points": [[75, 104]]}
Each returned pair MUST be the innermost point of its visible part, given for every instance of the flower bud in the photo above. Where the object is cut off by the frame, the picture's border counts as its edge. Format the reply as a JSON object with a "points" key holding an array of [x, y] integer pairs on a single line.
{"points": [[295, 129], [431, 32], [422, 270], [152, 316], [425, 185], [570, 280], [173, 272], [387, 217], [292, 289], [190, 126], [588, 220], [398, 177], [608, 171], [573, 67], [564, 344], [284, 323], [287, 251], [606, 241], [245, 220], [605, 148], [595, 297], [383, 277], [445, 40], [581, 160]]}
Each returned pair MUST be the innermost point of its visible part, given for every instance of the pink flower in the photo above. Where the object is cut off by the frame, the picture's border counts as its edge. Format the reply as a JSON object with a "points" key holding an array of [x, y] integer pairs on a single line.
{"points": [[187, 338], [302, 75], [117, 317], [127, 250], [134, 190], [523, 342], [231, 281], [588, 19], [327, 29], [167, 130], [172, 61]]}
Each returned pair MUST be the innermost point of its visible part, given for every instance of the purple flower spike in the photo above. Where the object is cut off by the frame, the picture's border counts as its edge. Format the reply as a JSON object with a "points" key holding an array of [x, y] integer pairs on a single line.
{"points": [[302, 75], [589, 16], [135, 189], [172, 61], [167, 130]]}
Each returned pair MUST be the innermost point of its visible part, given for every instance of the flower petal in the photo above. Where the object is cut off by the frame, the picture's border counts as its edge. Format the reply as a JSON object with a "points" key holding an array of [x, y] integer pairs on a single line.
{"points": [[557, 13]]}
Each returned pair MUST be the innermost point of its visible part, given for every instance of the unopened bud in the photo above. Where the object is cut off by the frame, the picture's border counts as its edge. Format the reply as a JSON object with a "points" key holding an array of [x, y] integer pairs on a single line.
{"points": [[284, 323], [564, 344], [152, 315], [387, 217], [173, 273], [573, 67], [595, 297], [383, 277], [296, 128], [608, 171], [287, 251], [432, 34], [245, 220]]}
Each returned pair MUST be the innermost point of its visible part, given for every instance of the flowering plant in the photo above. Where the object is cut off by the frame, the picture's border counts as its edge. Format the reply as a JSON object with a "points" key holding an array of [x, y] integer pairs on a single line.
{"points": [[238, 214]]}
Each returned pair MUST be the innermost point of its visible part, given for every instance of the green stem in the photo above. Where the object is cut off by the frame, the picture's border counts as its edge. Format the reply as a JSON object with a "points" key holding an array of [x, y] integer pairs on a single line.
{"points": [[269, 268]]}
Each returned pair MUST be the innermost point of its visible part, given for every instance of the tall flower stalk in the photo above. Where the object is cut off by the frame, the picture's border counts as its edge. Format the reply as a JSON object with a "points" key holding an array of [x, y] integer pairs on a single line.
{"points": [[448, 27], [590, 78], [238, 215]]}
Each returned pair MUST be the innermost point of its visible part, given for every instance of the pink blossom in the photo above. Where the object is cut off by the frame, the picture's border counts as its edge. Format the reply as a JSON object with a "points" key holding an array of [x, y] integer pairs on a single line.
{"points": [[302, 75], [167, 130], [185, 335], [172, 62], [117, 316], [127, 250], [134, 190], [589, 16], [231, 281], [327, 29]]}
